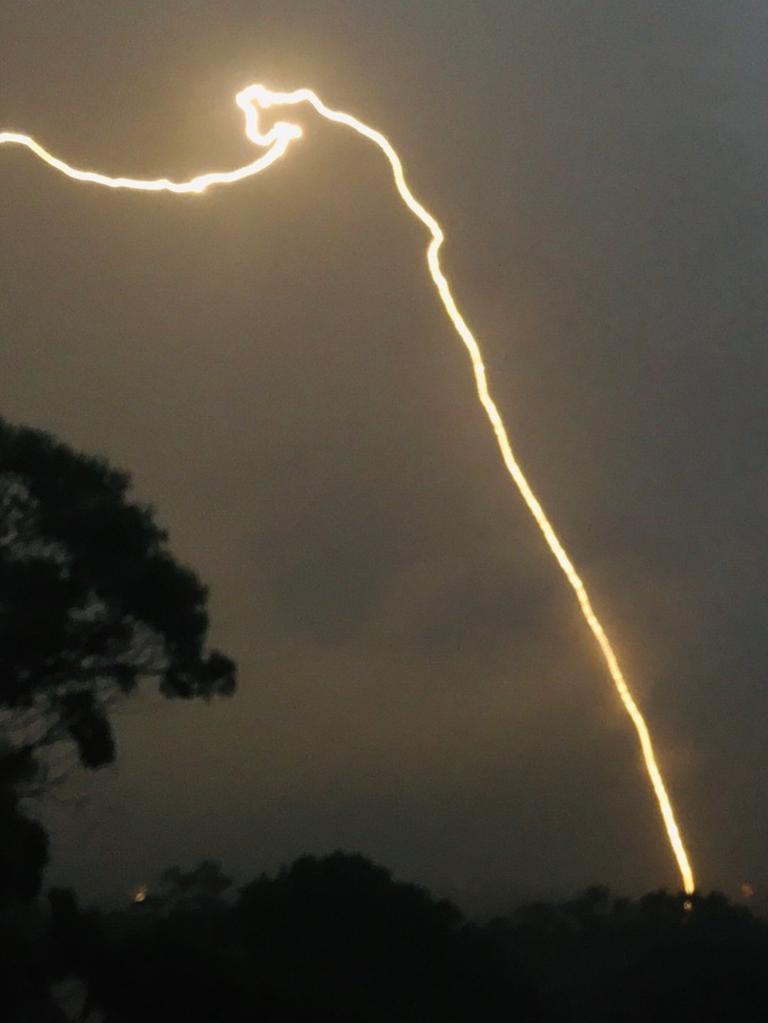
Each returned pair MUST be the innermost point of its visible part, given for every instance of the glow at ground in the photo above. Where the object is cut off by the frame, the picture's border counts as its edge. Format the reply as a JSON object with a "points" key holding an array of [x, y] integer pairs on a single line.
{"points": [[275, 142]]}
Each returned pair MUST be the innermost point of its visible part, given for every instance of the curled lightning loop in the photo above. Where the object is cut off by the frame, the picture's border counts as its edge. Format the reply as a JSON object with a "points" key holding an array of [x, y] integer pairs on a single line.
{"points": [[275, 142]]}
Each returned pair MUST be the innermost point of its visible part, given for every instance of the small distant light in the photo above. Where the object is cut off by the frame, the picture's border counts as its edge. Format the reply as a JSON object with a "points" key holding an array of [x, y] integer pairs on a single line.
{"points": [[140, 895], [687, 905], [747, 891]]}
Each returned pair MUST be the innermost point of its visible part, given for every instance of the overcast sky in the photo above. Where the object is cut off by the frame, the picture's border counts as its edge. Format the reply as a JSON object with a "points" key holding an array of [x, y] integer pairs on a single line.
{"points": [[271, 364]]}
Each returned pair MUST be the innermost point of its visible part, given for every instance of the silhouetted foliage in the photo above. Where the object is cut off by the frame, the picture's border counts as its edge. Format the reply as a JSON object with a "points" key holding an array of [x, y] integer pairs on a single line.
{"points": [[191, 891], [23, 842], [336, 938], [604, 959], [333, 938], [91, 604]]}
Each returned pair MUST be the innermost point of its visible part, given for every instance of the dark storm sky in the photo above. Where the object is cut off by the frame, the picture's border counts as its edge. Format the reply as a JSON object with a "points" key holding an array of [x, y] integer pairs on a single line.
{"points": [[272, 365]]}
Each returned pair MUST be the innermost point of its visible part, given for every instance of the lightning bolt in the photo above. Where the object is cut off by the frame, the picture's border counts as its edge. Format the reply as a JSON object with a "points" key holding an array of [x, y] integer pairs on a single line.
{"points": [[275, 143]]}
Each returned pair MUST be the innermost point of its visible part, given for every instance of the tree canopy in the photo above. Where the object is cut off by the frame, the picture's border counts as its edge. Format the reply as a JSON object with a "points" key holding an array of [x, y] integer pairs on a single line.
{"points": [[91, 599], [92, 603], [338, 938]]}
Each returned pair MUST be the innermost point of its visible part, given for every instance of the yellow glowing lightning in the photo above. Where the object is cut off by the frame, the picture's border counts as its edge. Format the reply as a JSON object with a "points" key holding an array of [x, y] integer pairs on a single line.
{"points": [[275, 142]]}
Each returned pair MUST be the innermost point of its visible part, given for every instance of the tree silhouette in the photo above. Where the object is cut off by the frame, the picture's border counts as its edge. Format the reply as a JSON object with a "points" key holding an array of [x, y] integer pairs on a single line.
{"points": [[91, 604], [337, 938], [195, 891], [23, 842]]}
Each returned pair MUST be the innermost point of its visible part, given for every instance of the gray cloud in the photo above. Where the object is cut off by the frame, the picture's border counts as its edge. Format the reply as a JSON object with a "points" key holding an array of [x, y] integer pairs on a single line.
{"points": [[272, 366]]}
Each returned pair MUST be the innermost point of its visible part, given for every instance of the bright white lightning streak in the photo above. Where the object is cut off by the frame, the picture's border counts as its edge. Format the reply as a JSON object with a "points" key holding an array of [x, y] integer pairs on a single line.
{"points": [[276, 142]]}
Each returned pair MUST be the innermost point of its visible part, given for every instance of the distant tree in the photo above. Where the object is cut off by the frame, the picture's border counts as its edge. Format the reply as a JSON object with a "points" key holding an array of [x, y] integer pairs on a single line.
{"points": [[196, 890], [337, 937], [334, 938], [92, 603]]}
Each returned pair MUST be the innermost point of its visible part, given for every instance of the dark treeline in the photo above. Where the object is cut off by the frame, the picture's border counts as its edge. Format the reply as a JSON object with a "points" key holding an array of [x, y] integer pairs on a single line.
{"points": [[337, 938]]}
